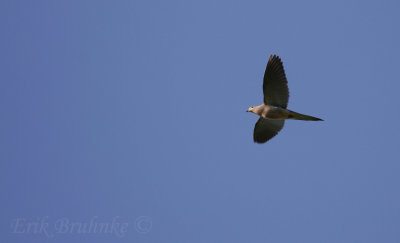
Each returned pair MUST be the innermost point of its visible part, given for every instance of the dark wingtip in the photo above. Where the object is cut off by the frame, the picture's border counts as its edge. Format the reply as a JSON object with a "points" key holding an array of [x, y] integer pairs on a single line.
{"points": [[274, 56]]}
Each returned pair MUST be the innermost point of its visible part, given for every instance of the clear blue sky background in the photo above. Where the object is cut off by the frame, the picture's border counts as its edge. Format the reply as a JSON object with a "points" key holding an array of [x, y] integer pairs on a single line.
{"points": [[94, 99]]}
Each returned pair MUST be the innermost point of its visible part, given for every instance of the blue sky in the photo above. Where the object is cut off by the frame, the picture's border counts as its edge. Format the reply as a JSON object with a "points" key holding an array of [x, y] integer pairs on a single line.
{"points": [[95, 99]]}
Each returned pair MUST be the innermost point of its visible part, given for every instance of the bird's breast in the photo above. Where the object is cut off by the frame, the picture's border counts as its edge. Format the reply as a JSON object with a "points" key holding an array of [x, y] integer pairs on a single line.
{"points": [[273, 112]]}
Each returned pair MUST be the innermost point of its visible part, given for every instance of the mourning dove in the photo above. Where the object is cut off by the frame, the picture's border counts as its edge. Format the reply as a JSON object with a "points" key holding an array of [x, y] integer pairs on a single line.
{"points": [[273, 112]]}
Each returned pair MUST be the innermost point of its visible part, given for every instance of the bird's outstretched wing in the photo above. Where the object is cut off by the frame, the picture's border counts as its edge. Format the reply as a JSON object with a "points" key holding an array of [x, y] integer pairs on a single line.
{"points": [[265, 129], [276, 91]]}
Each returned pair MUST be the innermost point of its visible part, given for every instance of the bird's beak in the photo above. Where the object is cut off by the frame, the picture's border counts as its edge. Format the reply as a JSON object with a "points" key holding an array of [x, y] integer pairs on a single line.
{"points": [[247, 111]]}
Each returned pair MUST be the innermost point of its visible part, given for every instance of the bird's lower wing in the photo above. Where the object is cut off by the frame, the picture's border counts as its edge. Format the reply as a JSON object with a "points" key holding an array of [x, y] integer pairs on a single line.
{"points": [[265, 129]]}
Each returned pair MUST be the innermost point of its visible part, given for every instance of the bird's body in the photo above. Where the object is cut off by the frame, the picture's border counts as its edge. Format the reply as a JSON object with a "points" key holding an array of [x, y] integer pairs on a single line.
{"points": [[278, 113], [270, 112], [273, 112]]}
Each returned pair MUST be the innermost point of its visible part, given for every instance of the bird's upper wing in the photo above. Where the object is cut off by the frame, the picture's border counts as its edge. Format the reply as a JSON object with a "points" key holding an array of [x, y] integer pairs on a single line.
{"points": [[276, 91], [265, 129]]}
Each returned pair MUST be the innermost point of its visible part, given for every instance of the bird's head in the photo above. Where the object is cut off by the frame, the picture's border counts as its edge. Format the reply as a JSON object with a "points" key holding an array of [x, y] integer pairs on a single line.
{"points": [[251, 109]]}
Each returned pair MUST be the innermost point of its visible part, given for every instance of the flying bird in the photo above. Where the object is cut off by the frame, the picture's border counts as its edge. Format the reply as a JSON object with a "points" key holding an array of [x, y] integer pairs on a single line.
{"points": [[273, 112]]}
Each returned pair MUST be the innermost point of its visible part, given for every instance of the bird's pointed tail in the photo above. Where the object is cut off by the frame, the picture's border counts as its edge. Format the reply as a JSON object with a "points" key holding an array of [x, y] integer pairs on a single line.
{"points": [[298, 116]]}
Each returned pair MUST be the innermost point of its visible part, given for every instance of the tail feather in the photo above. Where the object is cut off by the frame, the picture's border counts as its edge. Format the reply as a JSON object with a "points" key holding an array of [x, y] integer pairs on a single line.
{"points": [[298, 116]]}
